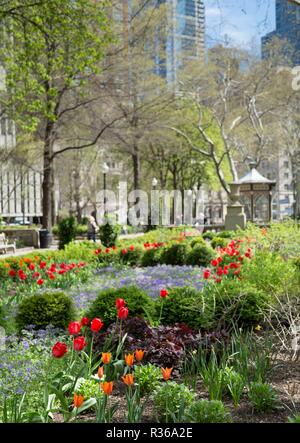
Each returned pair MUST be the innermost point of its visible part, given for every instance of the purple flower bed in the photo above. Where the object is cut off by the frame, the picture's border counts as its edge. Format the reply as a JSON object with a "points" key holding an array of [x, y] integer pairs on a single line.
{"points": [[151, 280]]}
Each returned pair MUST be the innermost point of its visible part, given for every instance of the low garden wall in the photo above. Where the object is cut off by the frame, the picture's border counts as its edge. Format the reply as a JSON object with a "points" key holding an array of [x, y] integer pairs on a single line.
{"points": [[28, 237]]}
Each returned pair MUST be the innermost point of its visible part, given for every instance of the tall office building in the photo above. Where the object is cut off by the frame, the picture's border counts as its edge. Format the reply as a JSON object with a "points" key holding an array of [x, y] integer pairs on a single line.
{"points": [[184, 39], [287, 27]]}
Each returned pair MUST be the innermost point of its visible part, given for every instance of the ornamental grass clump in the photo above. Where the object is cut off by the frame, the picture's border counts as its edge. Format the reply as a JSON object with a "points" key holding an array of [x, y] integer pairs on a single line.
{"points": [[171, 401], [262, 397], [208, 411]]}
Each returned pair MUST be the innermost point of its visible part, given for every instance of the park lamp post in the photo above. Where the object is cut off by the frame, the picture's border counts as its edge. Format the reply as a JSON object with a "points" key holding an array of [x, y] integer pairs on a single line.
{"points": [[154, 186], [105, 170]]}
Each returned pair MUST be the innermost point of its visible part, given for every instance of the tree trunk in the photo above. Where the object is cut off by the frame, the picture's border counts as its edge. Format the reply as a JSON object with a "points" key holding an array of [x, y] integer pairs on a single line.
{"points": [[47, 178], [136, 168]]}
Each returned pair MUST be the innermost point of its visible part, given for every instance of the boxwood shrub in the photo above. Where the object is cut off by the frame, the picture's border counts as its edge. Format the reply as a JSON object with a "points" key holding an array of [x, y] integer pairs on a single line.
{"points": [[200, 255], [136, 300], [151, 257], [175, 254], [218, 242], [198, 241], [188, 306], [41, 310], [237, 302]]}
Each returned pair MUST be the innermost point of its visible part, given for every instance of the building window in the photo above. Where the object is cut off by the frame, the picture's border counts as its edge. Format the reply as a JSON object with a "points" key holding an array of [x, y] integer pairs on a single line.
{"points": [[286, 164], [286, 175]]}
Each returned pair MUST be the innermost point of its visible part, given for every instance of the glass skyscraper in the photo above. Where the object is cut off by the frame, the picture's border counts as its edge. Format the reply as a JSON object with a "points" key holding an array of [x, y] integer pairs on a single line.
{"points": [[287, 27], [185, 39]]}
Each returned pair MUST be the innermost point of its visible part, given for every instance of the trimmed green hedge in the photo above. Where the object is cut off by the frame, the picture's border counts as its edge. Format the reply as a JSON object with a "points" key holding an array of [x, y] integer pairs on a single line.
{"points": [[137, 301], [41, 310]]}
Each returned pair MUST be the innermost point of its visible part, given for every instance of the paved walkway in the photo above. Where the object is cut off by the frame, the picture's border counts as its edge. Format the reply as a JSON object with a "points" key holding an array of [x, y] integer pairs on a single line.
{"points": [[24, 251]]}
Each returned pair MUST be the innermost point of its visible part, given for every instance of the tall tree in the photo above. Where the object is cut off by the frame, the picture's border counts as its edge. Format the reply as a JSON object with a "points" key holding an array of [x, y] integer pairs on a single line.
{"points": [[52, 49]]}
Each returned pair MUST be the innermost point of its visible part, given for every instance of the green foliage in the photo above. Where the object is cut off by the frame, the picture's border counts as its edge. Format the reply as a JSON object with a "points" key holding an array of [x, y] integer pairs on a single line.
{"points": [[282, 238], [271, 273], [41, 68], [131, 257], [198, 241], [136, 301], [108, 233], [41, 310], [175, 254], [237, 302], [89, 388], [294, 419], [209, 235], [151, 257], [185, 305], [226, 234], [208, 411], [200, 255], [148, 377], [81, 251], [219, 242], [262, 396], [235, 383], [66, 231], [171, 400], [81, 230]]}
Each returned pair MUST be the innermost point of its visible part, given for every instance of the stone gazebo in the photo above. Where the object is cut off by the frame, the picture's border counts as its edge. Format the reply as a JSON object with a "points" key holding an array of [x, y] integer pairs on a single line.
{"points": [[256, 196], [250, 199]]}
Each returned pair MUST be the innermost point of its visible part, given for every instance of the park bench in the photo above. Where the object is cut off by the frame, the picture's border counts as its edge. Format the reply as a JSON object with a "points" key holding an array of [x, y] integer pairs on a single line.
{"points": [[5, 247]]}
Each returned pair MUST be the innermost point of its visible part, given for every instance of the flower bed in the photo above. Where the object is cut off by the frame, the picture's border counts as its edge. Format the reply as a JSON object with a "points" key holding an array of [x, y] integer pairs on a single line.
{"points": [[205, 338]]}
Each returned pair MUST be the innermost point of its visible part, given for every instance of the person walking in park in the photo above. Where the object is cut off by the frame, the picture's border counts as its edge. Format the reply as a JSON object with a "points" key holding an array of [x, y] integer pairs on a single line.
{"points": [[92, 227]]}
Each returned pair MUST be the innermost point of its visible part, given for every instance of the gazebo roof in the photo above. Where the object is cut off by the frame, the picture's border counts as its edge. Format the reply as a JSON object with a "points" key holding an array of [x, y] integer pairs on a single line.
{"points": [[253, 177]]}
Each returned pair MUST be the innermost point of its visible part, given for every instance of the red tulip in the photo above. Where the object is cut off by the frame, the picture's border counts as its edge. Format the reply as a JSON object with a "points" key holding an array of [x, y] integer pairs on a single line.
{"points": [[40, 282], [74, 327], [131, 248], [12, 273], [124, 251], [59, 350], [163, 293], [206, 274], [123, 313], [79, 343], [84, 321], [96, 324], [120, 303], [43, 264], [31, 266], [214, 262]]}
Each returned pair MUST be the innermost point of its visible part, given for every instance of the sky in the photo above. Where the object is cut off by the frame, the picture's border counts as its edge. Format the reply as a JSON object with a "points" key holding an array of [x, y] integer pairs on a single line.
{"points": [[239, 22]]}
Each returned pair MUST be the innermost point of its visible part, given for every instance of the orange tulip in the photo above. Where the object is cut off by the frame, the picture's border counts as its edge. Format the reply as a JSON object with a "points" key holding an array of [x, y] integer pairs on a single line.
{"points": [[100, 372], [106, 357], [128, 379], [107, 387], [78, 400], [7, 265], [166, 373], [139, 354], [129, 359]]}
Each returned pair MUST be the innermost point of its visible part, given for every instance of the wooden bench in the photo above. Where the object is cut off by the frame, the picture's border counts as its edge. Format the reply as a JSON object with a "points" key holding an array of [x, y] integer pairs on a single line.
{"points": [[5, 246]]}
